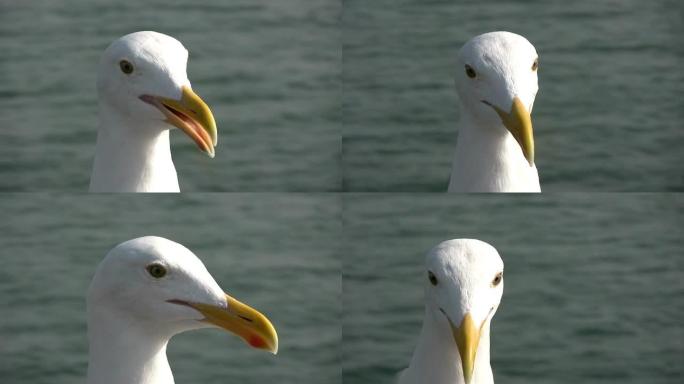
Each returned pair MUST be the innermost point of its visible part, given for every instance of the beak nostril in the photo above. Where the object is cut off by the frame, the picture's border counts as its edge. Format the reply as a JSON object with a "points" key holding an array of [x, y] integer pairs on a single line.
{"points": [[246, 318]]}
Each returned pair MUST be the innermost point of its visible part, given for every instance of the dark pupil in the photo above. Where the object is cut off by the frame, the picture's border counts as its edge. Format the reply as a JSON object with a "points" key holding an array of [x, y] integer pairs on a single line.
{"points": [[535, 64], [432, 278], [470, 71], [126, 67], [157, 271]]}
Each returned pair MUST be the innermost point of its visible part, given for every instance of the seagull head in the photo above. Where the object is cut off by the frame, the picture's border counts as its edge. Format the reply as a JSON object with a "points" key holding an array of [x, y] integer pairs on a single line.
{"points": [[143, 75], [464, 284], [496, 78], [164, 286]]}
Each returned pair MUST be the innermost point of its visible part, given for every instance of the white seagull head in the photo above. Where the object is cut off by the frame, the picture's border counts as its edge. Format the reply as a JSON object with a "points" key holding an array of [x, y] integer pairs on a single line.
{"points": [[142, 77], [161, 286], [464, 284], [496, 79]]}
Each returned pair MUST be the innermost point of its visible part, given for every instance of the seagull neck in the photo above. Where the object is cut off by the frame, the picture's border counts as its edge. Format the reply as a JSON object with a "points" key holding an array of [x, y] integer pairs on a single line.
{"points": [[131, 158], [489, 159], [121, 351], [436, 359], [494, 141]]}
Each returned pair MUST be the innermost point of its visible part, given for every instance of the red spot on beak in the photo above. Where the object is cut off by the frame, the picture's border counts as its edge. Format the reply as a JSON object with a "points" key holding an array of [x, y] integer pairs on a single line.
{"points": [[256, 342]]}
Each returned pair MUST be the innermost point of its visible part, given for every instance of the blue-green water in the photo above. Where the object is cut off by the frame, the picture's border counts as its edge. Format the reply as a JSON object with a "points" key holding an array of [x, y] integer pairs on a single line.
{"points": [[269, 70], [593, 284], [320, 95], [289, 80], [277, 253], [608, 116]]}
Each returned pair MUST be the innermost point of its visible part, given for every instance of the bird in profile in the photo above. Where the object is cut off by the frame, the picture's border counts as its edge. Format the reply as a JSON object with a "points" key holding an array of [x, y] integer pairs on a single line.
{"points": [[463, 288], [496, 80], [144, 292], [143, 91]]}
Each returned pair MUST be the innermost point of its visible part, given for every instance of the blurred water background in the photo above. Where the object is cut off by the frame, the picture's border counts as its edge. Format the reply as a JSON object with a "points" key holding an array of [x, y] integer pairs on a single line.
{"points": [[269, 70], [277, 253], [593, 284], [608, 115]]}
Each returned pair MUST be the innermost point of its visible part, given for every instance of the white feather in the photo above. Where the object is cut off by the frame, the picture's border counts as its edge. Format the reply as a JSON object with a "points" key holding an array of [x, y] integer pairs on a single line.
{"points": [[133, 152], [464, 269], [130, 321], [488, 158]]}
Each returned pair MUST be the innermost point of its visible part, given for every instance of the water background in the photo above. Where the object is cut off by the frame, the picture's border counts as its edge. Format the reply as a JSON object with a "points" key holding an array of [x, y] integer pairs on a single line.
{"points": [[592, 282], [269, 70], [608, 115], [276, 253], [592, 290]]}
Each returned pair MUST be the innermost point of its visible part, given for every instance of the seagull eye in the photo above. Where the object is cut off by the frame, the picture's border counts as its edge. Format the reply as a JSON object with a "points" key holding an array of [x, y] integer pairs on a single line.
{"points": [[156, 270], [535, 65], [497, 279], [470, 71], [126, 67], [432, 278]]}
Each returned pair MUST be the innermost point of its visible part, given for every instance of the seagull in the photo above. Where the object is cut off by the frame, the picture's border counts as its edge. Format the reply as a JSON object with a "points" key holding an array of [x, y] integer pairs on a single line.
{"points": [[143, 91], [144, 292], [496, 80], [463, 288]]}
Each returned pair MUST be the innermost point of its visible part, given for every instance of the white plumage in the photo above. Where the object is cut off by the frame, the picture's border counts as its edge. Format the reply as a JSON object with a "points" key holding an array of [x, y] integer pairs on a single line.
{"points": [[496, 79], [145, 291], [143, 91], [463, 288]]}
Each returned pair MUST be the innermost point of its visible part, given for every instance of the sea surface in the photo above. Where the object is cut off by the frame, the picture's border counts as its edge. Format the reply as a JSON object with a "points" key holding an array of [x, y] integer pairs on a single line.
{"points": [[608, 116], [269, 70], [290, 80], [592, 292], [593, 284], [277, 253]]}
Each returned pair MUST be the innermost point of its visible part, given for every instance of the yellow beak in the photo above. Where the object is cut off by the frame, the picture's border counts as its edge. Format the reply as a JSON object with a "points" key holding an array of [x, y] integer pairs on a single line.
{"points": [[519, 124], [244, 321], [467, 337], [192, 115]]}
